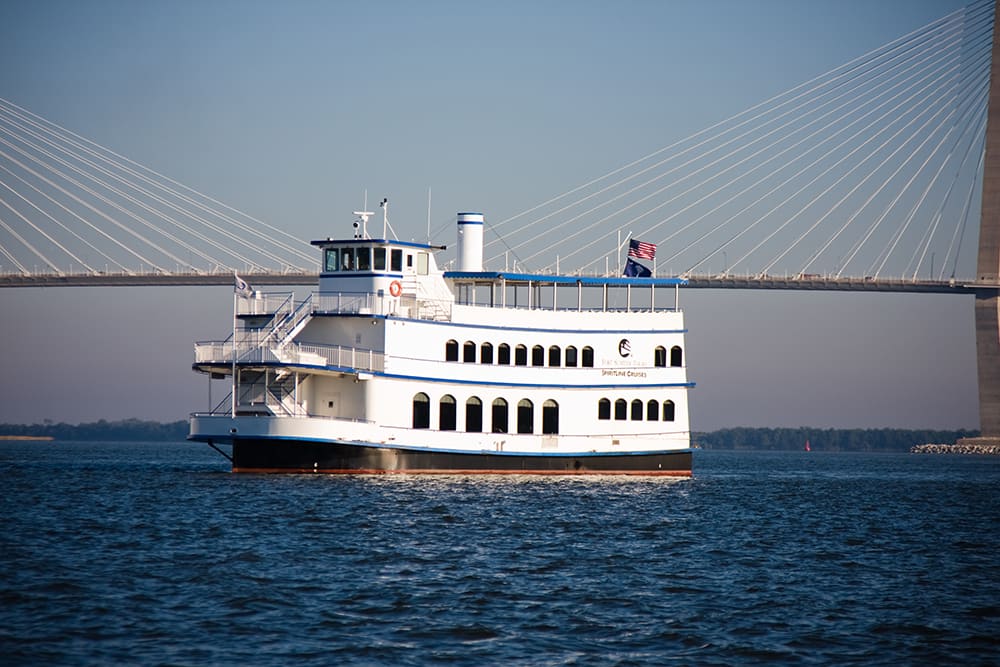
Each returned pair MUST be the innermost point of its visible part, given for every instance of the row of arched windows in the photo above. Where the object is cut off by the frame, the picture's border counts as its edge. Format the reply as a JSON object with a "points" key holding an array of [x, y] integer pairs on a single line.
{"points": [[474, 422], [636, 410], [554, 356]]}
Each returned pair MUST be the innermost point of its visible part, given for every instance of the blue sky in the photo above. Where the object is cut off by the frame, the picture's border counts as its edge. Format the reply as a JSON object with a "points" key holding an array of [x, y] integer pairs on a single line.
{"points": [[291, 110]]}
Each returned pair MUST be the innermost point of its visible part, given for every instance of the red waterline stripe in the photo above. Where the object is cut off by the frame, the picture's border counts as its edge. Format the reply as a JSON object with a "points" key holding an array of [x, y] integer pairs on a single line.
{"points": [[421, 471]]}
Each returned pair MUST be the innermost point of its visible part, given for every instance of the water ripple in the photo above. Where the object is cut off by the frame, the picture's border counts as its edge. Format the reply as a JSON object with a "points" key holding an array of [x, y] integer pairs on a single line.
{"points": [[154, 554]]}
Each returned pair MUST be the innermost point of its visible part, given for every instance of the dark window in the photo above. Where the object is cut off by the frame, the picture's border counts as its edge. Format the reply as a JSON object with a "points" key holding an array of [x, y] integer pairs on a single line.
{"points": [[555, 356], [364, 259], [409, 261], [500, 416], [637, 410], [525, 416], [380, 259], [668, 411], [675, 356], [550, 417], [653, 411], [571, 356], [397, 260], [503, 354], [621, 409], [421, 411], [347, 259], [486, 353], [520, 356], [588, 357], [604, 409], [451, 350], [469, 352], [446, 413], [538, 356], [660, 356], [474, 415]]}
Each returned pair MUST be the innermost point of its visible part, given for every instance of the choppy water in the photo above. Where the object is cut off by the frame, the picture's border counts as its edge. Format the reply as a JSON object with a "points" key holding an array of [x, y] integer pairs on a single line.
{"points": [[155, 554]]}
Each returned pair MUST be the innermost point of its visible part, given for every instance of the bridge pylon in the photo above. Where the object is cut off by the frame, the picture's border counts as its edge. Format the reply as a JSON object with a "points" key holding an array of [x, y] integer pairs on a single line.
{"points": [[988, 262]]}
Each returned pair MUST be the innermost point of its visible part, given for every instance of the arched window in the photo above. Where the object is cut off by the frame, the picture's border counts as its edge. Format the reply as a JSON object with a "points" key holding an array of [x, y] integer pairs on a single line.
{"points": [[446, 413], [604, 409], [486, 353], [550, 417], [538, 356], [653, 411], [474, 415], [503, 354], [588, 357], [451, 350], [555, 356], [660, 356], [668, 411], [525, 416], [621, 409], [571, 356], [469, 352], [637, 410], [500, 416], [520, 356], [676, 357], [421, 411]]}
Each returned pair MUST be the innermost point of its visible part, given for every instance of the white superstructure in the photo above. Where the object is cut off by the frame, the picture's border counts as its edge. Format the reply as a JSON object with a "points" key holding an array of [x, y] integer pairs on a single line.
{"points": [[405, 361]]}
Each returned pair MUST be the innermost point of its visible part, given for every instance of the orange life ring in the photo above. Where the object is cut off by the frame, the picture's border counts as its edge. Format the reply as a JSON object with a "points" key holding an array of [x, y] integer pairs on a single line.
{"points": [[395, 288]]}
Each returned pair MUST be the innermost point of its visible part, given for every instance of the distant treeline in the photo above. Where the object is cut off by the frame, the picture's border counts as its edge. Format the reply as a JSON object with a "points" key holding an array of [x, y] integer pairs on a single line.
{"points": [[826, 440], [829, 440], [128, 429]]}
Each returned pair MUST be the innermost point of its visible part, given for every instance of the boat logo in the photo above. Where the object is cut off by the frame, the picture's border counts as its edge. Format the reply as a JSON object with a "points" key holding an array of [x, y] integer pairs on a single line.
{"points": [[624, 347]]}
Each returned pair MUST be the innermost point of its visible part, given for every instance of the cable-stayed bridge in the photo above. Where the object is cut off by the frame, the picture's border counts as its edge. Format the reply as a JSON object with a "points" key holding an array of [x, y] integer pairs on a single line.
{"points": [[869, 177], [866, 177]]}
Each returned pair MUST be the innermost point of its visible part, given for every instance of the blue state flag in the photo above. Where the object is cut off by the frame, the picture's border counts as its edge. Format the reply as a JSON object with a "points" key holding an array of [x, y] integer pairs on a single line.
{"points": [[634, 269]]}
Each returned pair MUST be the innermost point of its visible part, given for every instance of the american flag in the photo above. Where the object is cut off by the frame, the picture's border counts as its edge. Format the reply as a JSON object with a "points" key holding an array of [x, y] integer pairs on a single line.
{"points": [[641, 249]]}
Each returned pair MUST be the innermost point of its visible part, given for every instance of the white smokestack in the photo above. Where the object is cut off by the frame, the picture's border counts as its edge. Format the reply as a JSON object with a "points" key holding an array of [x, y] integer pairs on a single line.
{"points": [[470, 241]]}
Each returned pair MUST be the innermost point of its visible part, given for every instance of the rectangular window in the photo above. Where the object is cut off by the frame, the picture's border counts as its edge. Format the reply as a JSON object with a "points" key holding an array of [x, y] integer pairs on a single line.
{"points": [[364, 259], [380, 259], [397, 260], [422, 264], [330, 260], [347, 259]]}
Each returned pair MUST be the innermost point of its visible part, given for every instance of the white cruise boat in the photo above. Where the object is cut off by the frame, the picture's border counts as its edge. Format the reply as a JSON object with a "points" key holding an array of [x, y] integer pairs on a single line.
{"points": [[397, 366]]}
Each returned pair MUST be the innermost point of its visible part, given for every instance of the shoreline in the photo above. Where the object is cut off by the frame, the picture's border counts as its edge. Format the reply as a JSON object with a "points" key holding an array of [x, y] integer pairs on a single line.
{"points": [[980, 446]]}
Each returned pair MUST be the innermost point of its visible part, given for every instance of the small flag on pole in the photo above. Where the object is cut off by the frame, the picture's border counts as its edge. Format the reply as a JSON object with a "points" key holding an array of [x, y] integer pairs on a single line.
{"points": [[634, 269], [242, 288], [641, 249]]}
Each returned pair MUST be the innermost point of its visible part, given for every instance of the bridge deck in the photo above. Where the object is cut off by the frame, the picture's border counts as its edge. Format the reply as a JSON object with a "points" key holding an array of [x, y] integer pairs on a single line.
{"points": [[815, 283]]}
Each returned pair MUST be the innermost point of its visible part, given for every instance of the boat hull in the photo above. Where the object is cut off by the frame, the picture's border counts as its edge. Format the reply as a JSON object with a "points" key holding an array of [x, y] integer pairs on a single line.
{"points": [[262, 455]]}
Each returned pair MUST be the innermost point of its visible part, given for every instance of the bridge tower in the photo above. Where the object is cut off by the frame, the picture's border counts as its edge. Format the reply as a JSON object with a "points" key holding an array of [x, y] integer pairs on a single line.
{"points": [[988, 264]]}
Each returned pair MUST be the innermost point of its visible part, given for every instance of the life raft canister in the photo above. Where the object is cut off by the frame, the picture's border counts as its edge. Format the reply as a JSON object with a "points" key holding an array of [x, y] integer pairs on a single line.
{"points": [[395, 288]]}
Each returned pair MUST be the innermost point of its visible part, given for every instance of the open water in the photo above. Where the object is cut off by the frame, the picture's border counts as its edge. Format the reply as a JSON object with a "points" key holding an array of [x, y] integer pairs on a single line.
{"points": [[155, 554]]}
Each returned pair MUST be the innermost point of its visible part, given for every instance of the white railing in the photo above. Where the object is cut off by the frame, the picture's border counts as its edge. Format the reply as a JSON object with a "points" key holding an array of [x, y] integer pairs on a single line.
{"points": [[221, 352], [266, 303], [368, 303]]}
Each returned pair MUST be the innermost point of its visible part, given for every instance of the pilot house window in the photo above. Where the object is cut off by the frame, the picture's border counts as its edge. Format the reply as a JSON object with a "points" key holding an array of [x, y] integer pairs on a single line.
{"points": [[330, 260]]}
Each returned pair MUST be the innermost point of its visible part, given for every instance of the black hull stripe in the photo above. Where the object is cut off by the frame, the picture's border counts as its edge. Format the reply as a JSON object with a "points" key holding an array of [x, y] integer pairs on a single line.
{"points": [[293, 456]]}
